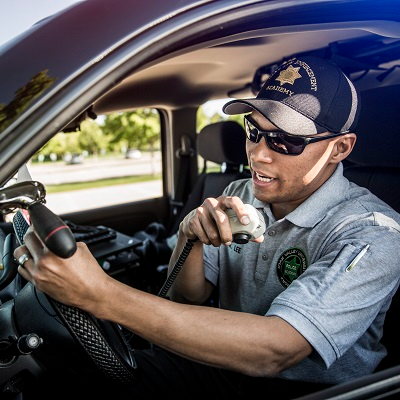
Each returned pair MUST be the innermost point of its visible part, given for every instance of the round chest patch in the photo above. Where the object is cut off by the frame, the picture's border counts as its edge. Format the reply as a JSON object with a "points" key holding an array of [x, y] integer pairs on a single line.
{"points": [[291, 264]]}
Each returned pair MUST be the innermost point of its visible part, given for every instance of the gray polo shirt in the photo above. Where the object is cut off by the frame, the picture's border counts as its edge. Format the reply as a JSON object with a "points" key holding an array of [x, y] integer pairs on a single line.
{"points": [[303, 273]]}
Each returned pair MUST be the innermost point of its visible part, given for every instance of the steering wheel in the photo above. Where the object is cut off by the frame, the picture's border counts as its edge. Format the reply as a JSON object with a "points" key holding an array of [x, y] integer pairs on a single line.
{"points": [[102, 340]]}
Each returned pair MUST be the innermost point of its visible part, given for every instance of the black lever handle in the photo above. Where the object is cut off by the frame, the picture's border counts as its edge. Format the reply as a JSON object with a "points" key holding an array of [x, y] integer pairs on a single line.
{"points": [[52, 230]]}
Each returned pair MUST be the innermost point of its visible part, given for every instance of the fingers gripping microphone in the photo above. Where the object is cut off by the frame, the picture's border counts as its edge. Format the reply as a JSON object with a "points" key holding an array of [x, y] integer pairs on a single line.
{"points": [[243, 233]]}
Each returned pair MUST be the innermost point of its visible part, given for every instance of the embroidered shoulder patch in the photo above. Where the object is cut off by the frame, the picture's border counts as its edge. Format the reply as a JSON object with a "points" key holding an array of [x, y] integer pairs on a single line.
{"points": [[291, 264]]}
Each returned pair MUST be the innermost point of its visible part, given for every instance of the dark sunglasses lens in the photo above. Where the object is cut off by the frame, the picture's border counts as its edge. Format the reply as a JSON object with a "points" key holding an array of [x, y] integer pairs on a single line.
{"points": [[251, 132], [279, 142], [285, 144]]}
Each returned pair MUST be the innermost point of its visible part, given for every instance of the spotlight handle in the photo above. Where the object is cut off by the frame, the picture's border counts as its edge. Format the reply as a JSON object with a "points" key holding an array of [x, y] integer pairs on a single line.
{"points": [[52, 230]]}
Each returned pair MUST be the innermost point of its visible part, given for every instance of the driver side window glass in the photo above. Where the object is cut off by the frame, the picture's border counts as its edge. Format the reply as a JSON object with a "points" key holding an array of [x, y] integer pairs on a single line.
{"points": [[113, 159]]}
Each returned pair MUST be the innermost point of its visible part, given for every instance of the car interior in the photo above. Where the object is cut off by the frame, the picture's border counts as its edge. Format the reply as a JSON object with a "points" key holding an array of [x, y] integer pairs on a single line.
{"points": [[133, 240]]}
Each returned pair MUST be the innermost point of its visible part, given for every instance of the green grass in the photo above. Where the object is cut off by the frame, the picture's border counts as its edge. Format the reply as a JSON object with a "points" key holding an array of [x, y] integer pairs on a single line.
{"points": [[67, 187]]}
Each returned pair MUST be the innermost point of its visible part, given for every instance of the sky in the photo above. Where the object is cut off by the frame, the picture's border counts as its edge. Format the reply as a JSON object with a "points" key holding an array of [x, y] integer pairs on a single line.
{"points": [[18, 15]]}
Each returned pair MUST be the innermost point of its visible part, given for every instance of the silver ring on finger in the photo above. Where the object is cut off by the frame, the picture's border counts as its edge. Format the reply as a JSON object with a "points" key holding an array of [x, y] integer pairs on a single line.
{"points": [[23, 259]]}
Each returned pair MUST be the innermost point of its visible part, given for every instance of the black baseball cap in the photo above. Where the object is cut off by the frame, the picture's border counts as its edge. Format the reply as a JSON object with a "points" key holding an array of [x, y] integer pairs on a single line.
{"points": [[305, 96]]}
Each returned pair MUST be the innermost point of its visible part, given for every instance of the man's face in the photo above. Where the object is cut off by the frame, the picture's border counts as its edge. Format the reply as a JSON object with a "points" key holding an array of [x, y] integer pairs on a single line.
{"points": [[283, 180]]}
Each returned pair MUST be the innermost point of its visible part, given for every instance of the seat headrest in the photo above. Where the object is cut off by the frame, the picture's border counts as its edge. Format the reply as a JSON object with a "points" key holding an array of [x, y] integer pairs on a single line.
{"points": [[223, 141], [378, 129]]}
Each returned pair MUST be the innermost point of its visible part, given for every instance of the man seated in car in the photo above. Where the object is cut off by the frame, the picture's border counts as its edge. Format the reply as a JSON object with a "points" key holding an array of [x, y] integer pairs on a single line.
{"points": [[301, 307]]}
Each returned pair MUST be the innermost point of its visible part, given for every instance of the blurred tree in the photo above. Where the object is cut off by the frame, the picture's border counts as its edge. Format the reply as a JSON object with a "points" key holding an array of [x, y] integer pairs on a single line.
{"points": [[61, 144], [71, 141], [54, 146], [91, 137], [203, 119], [139, 129]]}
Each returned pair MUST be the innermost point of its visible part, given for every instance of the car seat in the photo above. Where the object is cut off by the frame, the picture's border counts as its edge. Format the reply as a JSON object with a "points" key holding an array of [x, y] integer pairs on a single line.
{"points": [[223, 143], [375, 164]]}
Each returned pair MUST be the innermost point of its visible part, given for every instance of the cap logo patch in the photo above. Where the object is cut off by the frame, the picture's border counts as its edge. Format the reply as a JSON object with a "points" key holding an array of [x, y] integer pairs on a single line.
{"points": [[289, 75], [291, 264]]}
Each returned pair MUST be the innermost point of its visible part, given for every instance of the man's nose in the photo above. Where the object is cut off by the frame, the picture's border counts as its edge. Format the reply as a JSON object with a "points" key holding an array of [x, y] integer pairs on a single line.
{"points": [[259, 152]]}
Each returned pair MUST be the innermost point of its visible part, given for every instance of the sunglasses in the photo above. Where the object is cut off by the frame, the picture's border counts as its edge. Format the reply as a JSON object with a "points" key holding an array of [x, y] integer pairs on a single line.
{"points": [[281, 142]]}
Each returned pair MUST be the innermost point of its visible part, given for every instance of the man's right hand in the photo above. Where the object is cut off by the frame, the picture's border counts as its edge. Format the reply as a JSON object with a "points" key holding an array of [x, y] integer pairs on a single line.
{"points": [[210, 223]]}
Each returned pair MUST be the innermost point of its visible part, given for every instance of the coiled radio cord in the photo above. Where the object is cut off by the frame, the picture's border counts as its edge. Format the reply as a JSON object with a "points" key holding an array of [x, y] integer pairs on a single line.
{"points": [[177, 267]]}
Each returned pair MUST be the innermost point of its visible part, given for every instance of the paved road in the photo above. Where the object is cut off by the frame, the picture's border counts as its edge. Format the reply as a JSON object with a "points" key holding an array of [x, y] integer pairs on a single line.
{"points": [[52, 174], [88, 199], [93, 169]]}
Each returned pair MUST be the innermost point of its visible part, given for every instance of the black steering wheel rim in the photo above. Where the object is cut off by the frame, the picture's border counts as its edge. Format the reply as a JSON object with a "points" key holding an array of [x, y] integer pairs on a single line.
{"points": [[102, 340], [66, 331]]}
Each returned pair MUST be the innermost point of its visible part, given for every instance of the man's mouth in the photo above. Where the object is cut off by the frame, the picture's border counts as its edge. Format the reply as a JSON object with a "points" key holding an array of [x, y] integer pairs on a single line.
{"points": [[263, 178]]}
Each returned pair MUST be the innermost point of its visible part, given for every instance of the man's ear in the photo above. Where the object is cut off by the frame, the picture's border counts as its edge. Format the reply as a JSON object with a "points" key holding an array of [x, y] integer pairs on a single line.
{"points": [[343, 147]]}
